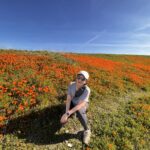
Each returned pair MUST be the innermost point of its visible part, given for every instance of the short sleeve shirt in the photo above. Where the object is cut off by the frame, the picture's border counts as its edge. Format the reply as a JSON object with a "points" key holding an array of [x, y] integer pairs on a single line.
{"points": [[72, 90]]}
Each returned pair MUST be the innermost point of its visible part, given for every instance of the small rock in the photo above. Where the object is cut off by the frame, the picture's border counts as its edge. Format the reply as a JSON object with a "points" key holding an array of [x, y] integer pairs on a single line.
{"points": [[19, 131], [66, 141], [69, 145], [67, 131]]}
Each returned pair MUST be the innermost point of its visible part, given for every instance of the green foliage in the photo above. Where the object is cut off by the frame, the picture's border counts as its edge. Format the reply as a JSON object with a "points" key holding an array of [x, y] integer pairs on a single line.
{"points": [[33, 92], [127, 129]]}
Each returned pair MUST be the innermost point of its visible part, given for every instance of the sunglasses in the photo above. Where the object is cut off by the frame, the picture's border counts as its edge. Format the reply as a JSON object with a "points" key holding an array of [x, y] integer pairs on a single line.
{"points": [[81, 78]]}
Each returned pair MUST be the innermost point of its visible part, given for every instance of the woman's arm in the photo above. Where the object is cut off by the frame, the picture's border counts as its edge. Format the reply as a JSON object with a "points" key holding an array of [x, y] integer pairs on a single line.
{"points": [[77, 107], [65, 116], [68, 103]]}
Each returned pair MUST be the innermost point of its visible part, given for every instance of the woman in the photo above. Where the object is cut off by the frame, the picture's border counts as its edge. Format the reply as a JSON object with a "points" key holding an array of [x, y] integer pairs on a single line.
{"points": [[77, 101]]}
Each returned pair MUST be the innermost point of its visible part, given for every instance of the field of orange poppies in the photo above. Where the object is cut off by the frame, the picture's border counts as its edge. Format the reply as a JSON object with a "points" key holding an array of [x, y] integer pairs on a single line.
{"points": [[33, 87]]}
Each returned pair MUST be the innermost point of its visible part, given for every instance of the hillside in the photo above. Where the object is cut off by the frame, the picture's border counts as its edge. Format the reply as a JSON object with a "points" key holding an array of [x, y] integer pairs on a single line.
{"points": [[33, 87]]}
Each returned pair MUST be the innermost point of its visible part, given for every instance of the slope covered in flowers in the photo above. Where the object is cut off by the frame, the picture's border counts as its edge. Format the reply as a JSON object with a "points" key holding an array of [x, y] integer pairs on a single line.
{"points": [[32, 81], [136, 73]]}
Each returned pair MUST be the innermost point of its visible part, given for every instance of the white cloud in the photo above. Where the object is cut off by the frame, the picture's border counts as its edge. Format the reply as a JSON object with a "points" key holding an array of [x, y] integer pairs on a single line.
{"points": [[121, 45], [144, 27], [94, 37]]}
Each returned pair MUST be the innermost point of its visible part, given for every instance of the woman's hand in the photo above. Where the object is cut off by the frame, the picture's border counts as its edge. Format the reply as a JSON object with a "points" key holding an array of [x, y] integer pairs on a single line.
{"points": [[64, 118]]}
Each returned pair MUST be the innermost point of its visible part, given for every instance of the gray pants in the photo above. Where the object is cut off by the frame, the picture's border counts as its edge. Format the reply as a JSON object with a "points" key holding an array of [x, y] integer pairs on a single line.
{"points": [[81, 114]]}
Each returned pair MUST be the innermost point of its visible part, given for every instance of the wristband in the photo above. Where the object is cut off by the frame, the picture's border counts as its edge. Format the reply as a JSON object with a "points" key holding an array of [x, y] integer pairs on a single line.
{"points": [[68, 113]]}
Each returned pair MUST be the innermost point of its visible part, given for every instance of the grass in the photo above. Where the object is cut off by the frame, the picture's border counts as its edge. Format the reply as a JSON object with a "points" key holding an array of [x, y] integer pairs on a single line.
{"points": [[33, 87]]}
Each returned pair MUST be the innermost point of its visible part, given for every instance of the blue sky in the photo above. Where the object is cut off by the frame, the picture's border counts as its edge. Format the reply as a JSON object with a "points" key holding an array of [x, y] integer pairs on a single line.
{"points": [[86, 26]]}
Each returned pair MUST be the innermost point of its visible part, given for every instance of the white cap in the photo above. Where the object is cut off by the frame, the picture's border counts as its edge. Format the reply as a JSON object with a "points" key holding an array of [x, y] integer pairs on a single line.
{"points": [[85, 74]]}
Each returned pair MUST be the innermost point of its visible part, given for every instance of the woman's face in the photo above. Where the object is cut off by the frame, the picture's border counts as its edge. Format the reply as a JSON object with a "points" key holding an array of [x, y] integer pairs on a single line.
{"points": [[80, 80]]}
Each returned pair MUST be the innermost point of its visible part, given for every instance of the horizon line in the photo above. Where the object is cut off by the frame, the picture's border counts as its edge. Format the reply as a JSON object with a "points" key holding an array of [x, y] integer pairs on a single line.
{"points": [[63, 51]]}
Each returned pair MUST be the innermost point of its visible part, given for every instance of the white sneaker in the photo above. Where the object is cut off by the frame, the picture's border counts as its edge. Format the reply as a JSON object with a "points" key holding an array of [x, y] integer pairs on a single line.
{"points": [[86, 136]]}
